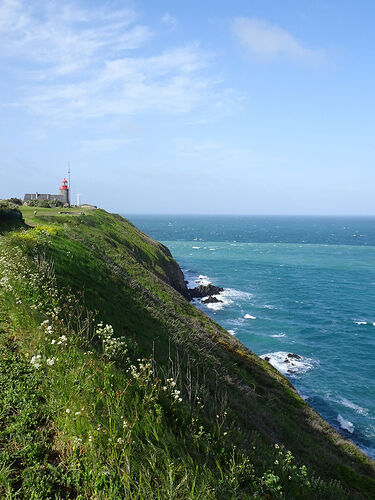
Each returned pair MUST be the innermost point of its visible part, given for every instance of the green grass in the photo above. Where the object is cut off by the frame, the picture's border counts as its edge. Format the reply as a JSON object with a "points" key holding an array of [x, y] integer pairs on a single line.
{"points": [[219, 442]]}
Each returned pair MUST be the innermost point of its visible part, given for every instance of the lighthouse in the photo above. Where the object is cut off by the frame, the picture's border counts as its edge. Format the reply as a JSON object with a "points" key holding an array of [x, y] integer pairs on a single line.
{"points": [[64, 192]]}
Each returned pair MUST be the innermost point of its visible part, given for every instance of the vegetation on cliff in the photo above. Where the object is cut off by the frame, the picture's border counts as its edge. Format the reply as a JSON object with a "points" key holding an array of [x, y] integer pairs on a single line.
{"points": [[114, 386]]}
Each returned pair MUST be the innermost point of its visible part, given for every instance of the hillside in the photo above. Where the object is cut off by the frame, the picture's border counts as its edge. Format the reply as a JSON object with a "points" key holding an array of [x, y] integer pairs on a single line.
{"points": [[114, 386]]}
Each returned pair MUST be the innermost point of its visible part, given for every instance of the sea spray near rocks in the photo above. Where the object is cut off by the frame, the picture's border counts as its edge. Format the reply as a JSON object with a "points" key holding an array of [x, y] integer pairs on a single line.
{"points": [[289, 363]]}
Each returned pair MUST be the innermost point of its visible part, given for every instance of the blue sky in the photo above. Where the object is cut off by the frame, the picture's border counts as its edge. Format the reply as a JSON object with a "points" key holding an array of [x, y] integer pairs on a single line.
{"points": [[244, 107]]}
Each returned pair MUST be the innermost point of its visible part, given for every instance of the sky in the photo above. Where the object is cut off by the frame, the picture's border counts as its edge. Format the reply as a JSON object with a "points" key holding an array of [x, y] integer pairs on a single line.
{"points": [[187, 107]]}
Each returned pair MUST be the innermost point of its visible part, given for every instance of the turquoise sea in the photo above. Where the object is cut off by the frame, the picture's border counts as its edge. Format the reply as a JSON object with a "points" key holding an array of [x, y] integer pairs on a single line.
{"points": [[300, 285]]}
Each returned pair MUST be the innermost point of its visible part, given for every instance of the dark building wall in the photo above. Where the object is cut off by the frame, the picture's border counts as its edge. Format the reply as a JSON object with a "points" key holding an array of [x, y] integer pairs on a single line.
{"points": [[43, 196]]}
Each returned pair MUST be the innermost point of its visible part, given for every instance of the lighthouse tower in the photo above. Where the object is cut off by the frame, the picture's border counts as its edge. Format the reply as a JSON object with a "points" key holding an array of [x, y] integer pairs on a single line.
{"points": [[64, 192]]}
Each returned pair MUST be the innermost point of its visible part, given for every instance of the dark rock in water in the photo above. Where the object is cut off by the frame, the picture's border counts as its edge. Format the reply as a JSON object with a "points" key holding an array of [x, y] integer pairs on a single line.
{"points": [[204, 291], [294, 356], [211, 300], [286, 360], [266, 358]]}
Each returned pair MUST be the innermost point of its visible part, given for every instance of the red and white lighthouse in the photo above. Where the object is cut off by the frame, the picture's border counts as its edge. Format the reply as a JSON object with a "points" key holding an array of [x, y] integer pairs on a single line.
{"points": [[64, 191]]}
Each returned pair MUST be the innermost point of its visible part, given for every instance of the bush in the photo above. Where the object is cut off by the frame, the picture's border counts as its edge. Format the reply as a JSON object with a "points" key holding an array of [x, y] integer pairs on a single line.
{"points": [[55, 203], [15, 201], [44, 204]]}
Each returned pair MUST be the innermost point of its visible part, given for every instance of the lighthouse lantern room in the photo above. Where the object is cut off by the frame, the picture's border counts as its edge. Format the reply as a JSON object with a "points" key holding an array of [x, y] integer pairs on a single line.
{"points": [[64, 191]]}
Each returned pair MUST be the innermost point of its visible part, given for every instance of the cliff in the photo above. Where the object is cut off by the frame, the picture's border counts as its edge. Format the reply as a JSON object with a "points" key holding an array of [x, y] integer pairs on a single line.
{"points": [[160, 403]]}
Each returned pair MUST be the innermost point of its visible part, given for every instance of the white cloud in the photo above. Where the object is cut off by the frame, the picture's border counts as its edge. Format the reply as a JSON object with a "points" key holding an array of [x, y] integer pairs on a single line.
{"points": [[268, 42], [169, 20], [171, 83], [69, 62]]}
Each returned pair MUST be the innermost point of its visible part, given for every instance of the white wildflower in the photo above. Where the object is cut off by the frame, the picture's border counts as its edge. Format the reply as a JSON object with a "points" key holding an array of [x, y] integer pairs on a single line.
{"points": [[36, 361], [51, 361]]}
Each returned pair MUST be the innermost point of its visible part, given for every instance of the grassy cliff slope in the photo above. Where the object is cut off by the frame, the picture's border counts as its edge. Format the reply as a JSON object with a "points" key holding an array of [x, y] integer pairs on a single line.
{"points": [[114, 386]]}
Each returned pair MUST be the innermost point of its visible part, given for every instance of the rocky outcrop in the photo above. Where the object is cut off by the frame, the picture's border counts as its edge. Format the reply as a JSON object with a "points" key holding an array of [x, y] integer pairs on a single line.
{"points": [[175, 277], [211, 300], [202, 291]]}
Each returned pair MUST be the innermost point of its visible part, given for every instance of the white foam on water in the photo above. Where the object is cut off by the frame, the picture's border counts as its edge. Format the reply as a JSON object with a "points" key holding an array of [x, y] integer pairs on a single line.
{"points": [[349, 404], [269, 306], [202, 280], [278, 335], [345, 424], [249, 316], [232, 332], [360, 322], [212, 249], [288, 365], [228, 297], [195, 248]]}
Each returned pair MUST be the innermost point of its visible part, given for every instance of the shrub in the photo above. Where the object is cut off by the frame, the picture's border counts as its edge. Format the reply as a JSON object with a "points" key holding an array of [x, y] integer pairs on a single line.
{"points": [[44, 204], [15, 201]]}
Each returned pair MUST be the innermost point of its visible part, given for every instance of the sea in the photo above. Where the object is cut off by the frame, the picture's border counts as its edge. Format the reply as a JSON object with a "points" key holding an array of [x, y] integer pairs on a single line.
{"points": [[301, 286]]}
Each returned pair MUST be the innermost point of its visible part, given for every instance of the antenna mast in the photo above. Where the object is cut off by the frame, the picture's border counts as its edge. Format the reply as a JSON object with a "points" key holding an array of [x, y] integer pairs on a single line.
{"points": [[69, 180]]}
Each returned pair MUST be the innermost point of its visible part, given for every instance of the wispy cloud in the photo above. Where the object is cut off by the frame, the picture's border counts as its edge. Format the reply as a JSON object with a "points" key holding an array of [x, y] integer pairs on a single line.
{"points": [[104, 144], [269, 42], [71, 62], [63, 39], [169, 20]]}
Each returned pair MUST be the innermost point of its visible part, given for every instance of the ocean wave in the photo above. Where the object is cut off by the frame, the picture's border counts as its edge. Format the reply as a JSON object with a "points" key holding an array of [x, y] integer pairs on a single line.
{"points": [[196, 248], [249, 316], [202, 280], [228, 297], [232, 332], [361, 322], [268, 306], [278, 335], [345, 424], [289, 363], [348, 404]]}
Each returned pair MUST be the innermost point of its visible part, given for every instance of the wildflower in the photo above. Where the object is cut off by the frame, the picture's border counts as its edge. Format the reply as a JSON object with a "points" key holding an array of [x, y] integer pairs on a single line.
{"points": [[53, 341], [35, 361], [276, 462], [51, 361], [120, 441], [225, 433], [67, 410], [77, 413]]}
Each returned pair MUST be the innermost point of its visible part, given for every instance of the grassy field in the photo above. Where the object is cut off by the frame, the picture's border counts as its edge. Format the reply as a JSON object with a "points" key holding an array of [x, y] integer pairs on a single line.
{"points": [[30, 218], [162, 402]]}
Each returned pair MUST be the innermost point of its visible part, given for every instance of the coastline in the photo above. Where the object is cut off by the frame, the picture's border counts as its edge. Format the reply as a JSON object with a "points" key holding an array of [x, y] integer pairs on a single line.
{"points": [[290, 364]]}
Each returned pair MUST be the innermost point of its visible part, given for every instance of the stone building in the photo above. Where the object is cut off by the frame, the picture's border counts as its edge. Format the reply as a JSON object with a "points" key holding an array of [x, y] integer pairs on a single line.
{"points": [[64, 195]]}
